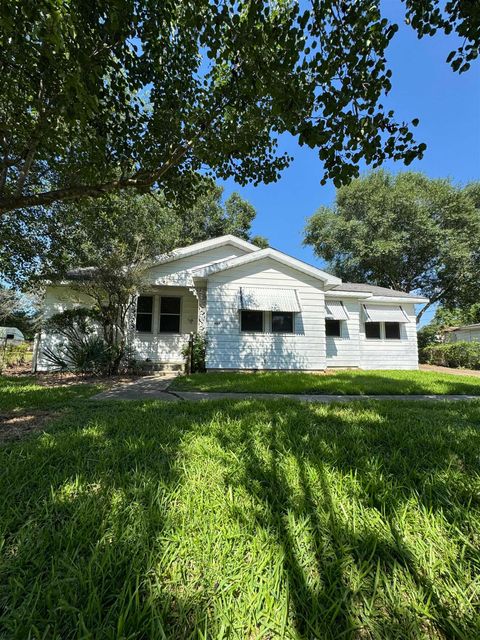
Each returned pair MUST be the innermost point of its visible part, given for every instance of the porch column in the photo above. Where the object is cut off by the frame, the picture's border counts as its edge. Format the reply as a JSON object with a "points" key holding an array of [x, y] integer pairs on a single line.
{"points": [[201, 294]]}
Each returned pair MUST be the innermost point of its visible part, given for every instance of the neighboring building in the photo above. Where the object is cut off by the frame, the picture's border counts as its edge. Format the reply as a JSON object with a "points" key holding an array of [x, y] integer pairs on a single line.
{"points": [[11, 335], [261, 309], [467, 333]]}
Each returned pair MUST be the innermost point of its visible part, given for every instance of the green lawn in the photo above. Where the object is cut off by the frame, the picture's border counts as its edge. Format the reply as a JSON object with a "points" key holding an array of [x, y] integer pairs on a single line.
{"points": [[243, 519], [19, 392], [341, 382]]}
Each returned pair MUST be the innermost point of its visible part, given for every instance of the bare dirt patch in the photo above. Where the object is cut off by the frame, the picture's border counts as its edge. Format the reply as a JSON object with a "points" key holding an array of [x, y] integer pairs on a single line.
{"points": [[18, 425]]}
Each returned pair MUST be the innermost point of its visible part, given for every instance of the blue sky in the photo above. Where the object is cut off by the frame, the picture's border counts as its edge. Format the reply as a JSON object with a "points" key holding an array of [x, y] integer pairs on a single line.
{"points": [[424, 86]]}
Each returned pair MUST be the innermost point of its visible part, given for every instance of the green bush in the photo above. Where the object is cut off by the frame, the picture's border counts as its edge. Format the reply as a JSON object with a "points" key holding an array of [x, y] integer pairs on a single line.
{"points": [[454, 354], [195, 352], [427, 336]]}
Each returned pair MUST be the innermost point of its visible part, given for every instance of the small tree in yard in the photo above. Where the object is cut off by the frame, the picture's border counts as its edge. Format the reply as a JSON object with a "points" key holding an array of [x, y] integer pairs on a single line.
{"points": [[113, 240]]}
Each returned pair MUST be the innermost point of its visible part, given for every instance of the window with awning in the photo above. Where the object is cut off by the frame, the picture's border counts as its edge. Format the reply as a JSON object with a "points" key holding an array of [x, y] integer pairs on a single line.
{"points": [[384, 313], [261, 299], [335, 310]]}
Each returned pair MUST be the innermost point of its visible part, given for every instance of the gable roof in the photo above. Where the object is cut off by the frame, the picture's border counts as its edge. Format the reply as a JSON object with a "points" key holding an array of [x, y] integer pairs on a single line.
{"points": [[205, 245], [261, 254]]}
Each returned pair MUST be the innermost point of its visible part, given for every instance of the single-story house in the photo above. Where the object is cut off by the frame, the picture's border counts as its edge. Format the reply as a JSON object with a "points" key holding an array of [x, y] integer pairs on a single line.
{"points": [[465, 333], [260, 309]]}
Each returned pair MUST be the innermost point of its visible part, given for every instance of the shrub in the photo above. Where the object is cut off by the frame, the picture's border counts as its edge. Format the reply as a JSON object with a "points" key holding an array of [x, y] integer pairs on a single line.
{"points": [[427, 336], [195, 352], [81, 349], [454, 354]]}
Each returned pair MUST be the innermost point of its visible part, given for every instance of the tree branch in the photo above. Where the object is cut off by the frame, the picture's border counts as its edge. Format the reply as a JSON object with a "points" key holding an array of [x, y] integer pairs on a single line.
{"points": [[140, 180]]}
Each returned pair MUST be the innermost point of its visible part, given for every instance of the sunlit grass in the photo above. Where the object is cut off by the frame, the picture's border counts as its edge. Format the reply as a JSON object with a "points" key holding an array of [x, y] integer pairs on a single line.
{"points": [[20, 392], [342, 382], [244, 519]]}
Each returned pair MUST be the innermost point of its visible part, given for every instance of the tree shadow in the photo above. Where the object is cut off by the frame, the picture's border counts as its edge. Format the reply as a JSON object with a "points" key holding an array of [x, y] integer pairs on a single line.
{"points": [[93, 510]]}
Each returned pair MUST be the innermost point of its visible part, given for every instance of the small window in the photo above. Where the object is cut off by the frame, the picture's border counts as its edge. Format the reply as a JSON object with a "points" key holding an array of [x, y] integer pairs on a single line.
{"points": [[333, 328], [252, 320], [392, 330], [144, 313], [169, 315], [282, 322], [372, 330], [10, 336]]}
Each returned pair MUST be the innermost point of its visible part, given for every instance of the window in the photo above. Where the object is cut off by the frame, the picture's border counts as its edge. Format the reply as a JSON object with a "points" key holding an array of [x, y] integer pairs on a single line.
{"points": [[169, 315], [282, 321], [392, 330], [144, 313], [251, 320], [372, 330], [333, 328]]}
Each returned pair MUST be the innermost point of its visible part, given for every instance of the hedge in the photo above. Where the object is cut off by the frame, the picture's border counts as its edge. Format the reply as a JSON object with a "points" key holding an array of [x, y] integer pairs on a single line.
{"points": [[454, 354]]}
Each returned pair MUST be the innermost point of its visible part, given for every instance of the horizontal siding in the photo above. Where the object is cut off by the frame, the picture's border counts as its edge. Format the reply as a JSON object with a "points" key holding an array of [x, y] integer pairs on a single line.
{"points": [[467, 335], [345, 351], [392, 354], [229, 348], [164, 347], [153, 346], [177, 271]]}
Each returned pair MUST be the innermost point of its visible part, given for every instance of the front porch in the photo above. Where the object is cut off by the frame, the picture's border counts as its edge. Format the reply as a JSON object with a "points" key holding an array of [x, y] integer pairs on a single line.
{"points": [[161, 324]]}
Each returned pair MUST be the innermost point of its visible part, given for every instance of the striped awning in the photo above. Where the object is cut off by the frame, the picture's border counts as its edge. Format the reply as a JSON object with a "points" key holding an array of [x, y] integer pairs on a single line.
{"points": [[261, 299], [384, 313], [335, 310]]}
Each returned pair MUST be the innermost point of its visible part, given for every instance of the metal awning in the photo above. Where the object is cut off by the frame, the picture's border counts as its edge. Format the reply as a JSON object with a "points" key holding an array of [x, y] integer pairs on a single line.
{"points": [[335, 310], [261, 299], [384, 313]]}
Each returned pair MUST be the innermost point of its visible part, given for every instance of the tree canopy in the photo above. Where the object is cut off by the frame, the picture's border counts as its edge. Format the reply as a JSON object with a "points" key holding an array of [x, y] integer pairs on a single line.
{"points": [[404, 231], [126, 225], [102, 96]]}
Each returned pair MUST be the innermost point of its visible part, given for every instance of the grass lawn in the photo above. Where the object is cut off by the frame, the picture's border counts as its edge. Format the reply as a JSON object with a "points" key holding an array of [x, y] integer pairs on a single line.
{"points": [[243, 519], [18, 393], [341, 382]]}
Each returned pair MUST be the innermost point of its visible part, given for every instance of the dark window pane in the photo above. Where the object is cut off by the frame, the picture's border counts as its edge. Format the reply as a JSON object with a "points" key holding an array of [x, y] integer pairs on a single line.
{"points": [[169, 324], [10, 336], [144, 322], [252, 321], [332, 328], [372, 330], [169, 305], [392, 330], [282, 322], [145, 304]]}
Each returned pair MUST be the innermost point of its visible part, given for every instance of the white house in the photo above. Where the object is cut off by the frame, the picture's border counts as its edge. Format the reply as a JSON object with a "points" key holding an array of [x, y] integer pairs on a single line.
{"points": [[260, 309], [466, 333]]}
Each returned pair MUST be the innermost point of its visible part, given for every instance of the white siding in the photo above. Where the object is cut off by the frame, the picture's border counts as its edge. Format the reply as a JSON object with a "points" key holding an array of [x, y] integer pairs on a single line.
{"points": [[345, 351], [157, 347], [165, 347], [177, 271], [229, 348], [57, 299], [391, 354], [467, 335]]}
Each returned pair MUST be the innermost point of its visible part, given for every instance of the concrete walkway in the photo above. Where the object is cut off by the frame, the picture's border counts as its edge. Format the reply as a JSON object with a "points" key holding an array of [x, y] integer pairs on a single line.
{"points": [[146, 388], [156, 387]]}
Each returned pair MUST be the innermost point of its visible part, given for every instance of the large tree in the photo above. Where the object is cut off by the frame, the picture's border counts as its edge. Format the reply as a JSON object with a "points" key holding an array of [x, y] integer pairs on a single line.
{"points": [[102, 96], [77, 234], [407, 232]]}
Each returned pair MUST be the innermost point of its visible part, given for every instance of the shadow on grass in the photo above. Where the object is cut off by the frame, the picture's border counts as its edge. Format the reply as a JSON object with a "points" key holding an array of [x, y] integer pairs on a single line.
{"points": [[95, 510]]}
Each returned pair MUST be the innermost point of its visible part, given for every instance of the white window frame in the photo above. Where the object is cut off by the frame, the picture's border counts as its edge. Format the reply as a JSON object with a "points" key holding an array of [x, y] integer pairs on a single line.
{"points": [[144, 313], [179, 314]]}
